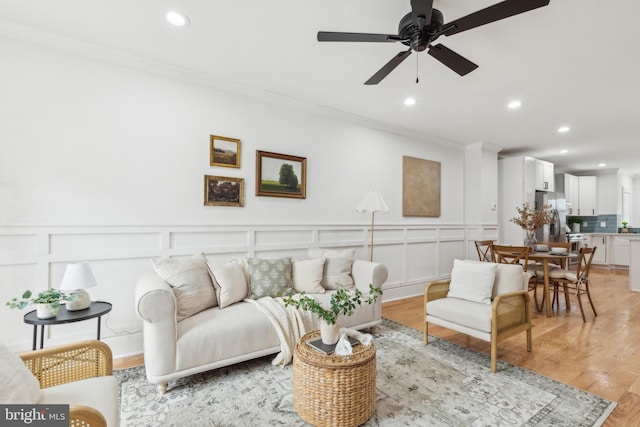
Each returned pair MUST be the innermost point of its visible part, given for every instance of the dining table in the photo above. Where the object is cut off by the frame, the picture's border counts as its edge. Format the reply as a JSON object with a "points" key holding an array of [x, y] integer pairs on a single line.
{"points": [[544, 257]]}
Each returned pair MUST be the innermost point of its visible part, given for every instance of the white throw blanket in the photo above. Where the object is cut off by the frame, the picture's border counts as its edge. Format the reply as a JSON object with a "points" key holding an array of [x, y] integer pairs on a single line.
{"points": [[290, 324]]}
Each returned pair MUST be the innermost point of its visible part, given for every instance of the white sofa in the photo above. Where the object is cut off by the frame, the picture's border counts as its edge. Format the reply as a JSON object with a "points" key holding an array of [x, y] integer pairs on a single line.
{"points": [[486, 300], [217, 337]]}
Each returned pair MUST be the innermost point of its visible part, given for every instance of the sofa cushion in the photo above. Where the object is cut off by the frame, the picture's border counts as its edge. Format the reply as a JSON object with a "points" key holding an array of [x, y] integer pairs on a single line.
{"points": [[189, 279], [472, 281], [19, 386], [462, 312], [270, 277], [307, 275], [229, 281], [100, 393]]}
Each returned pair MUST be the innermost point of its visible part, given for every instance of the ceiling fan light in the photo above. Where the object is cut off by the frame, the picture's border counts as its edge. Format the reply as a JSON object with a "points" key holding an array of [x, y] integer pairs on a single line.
{"points": [[177, 19]]}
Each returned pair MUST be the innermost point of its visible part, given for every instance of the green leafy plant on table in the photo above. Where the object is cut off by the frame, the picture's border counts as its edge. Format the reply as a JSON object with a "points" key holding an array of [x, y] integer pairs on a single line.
{"points": [[50, 296], [341, 302]]}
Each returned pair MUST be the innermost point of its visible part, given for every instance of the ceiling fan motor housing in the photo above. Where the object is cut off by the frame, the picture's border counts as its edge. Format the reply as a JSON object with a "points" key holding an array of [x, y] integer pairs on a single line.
{"points": [[411, 34]]}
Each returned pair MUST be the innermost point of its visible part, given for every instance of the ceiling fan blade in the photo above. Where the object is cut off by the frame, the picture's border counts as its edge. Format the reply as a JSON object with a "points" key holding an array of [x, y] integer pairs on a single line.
{"points": [[490, 14], [421, 12], [456, 62], [328, 36], [388, 67]]}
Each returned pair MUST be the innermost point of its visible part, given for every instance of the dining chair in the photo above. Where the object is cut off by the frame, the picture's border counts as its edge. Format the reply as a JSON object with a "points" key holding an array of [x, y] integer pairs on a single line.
{"points": [[575, 283], [505, 254], [562, 264], [485, 250]]}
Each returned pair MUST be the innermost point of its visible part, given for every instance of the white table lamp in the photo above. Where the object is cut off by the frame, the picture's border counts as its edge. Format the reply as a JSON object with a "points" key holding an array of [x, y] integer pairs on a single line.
{"points": [[78, 277], [372, 203]]}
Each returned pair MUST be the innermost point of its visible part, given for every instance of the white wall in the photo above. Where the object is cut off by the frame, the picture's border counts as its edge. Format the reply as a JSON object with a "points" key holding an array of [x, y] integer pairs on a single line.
{"points": [[106, 163]]}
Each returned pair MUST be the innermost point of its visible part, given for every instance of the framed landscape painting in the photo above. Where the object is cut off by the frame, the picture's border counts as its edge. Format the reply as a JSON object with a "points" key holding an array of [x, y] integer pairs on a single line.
{"points": [[223, 191], [281, 175], [224, 152]]}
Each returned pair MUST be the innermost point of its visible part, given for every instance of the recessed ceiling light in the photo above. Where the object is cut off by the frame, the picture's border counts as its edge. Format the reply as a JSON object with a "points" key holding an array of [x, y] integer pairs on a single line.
{"points": [[565, 151], [177, 19], [514, 105], [601, 165], [564, 129], [409, 102]]}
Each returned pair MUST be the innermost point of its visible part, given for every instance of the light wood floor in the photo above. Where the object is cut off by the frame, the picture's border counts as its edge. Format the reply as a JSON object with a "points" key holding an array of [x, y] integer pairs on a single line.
{"points": [[600, 356]]}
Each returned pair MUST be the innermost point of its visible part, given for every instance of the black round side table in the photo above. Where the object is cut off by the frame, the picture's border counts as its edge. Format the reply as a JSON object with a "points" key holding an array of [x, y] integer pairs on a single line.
{"points": [[96, 309]]}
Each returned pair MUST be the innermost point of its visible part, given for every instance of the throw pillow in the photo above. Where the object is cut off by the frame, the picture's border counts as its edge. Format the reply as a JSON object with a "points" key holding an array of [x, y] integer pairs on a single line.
{"points": [[229, 281], [270, 277], [19, 386], [337, 268], [189, 279], [337, 274], [307, 275], [472, 281]]}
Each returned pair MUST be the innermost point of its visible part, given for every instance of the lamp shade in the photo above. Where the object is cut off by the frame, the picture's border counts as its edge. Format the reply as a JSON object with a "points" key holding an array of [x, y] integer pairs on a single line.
{"points": [[372, 202], [78, 276]]}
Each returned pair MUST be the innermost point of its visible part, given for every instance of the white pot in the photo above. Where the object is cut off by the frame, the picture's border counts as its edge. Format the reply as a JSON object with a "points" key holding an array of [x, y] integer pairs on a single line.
{"points": [[46, 311], [330, 334]]}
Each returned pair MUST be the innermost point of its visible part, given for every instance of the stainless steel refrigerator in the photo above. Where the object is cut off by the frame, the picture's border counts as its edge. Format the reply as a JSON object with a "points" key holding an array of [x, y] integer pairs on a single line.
{"points": [[556, 231]]}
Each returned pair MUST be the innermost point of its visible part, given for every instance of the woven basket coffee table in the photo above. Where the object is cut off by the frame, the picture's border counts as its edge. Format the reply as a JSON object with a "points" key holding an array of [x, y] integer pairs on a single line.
{"points": [[330, 390]]}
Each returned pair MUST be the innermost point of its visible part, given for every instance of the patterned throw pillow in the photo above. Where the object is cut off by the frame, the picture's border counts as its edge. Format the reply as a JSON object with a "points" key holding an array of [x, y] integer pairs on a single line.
{"points": [[270, 277], [189, 279]]}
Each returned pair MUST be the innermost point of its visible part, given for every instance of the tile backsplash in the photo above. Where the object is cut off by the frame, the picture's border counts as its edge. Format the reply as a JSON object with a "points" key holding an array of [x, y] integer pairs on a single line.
{"points": [[594, 223]]}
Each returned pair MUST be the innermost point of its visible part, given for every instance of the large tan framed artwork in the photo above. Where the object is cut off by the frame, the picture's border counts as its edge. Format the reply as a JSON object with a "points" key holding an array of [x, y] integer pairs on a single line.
{"points": [[420, 187]]}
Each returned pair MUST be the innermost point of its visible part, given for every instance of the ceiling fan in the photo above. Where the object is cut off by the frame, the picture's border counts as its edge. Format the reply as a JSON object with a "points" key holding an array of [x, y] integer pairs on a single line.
{"points": [[424, 24]]}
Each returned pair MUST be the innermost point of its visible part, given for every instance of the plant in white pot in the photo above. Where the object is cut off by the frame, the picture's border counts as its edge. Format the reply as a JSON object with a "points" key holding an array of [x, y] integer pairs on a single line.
{"points": [[342, 302], [47, 302]]}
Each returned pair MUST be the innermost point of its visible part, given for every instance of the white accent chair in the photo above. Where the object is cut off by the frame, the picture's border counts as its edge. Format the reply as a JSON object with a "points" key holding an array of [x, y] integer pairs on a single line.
{"points": [[476, 303]]}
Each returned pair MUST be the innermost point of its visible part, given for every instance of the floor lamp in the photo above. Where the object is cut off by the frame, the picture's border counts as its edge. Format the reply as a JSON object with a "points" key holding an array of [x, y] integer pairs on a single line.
{"points": [[372, 203]]}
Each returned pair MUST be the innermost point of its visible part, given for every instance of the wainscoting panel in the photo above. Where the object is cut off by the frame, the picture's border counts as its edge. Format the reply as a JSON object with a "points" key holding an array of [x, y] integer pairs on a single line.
{"points": [[36, 257]]}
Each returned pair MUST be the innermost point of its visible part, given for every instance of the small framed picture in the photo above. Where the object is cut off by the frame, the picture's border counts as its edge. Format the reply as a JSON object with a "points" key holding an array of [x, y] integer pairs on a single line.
{"points": [[281, 175], [224, 152], [223, 191]]}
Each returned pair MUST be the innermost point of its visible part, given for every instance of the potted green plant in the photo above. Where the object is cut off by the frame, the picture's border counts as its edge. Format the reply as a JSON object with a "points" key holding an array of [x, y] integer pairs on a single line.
{"points": [[342, 302], [624, 227], [47, 302]]}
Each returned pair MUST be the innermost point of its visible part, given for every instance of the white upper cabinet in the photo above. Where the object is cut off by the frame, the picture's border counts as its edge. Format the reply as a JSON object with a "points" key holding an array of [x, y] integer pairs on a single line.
{"points": [[588, 196], [544, 176], [571, 193]]}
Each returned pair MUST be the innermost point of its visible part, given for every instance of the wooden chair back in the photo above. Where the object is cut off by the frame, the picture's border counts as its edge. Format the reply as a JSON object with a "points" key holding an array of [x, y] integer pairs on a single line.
{"points": [[512, 255], [584, 264], [485, 250]]}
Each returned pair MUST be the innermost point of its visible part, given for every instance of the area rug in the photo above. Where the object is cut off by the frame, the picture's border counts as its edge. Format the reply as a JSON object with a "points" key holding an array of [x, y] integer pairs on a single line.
{"points": [[441, 384]]}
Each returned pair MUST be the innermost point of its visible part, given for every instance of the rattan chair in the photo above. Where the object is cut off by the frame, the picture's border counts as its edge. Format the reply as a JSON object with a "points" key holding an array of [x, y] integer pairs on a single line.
{"points": [[485, 250], [72, 362], [575, 283]]}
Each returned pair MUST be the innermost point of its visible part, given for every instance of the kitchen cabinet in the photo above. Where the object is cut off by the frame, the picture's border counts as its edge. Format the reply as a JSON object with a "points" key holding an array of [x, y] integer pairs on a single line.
{"points": [[600, 243], [571, 193], [516, 180], [544, 176], [588, 196], [620, 251]]}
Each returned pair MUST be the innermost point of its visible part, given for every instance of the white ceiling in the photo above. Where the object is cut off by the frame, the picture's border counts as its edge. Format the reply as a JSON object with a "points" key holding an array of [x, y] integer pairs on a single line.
{"points": [[572, 63]]}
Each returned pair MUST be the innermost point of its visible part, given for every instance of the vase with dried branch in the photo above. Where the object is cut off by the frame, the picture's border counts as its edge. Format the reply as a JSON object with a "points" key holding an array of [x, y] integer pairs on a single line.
{"points": [[530, 220]]}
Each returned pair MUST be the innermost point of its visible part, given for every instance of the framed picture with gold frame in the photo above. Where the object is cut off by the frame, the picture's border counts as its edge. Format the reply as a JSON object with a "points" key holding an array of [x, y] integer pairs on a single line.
{"points": [[281, 175], [223, 191], [224, 151]]}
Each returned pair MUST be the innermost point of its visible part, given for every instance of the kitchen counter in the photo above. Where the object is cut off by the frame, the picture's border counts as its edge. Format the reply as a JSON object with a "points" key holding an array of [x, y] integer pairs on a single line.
{"points": [[634, 263]]}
